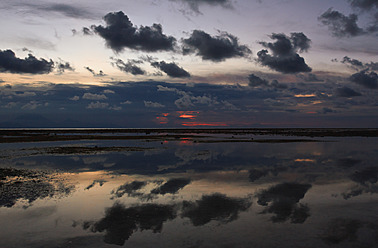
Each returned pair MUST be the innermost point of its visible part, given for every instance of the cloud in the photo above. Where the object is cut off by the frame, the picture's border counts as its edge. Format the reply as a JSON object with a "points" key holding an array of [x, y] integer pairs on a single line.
{"points": [[341, 25], [129, 67], [87, 31], [255, 81], [62, 66], [364, 4], [120, 222], [172, 186], [74, 98], [31, 105], [98, 105], [365, 79], [99, 182], [130, 189], [218, 48], [99, 74], [171, 69], [283, 199], [285, 58], [64, 9], [120, 33], [309, 77], [90, 96], [214, 207], [150, 104], [194, 4], [32, 65], [346, 92], [358, 65], [366, 176]]}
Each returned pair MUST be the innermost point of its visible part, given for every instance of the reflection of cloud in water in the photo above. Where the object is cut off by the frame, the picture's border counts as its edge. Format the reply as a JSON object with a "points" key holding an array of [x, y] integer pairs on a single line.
{"points": [[367, 182], [99, 182], [94, 160], [361, 234], [172, 186], [282, 200], [120, 222], [347, 162], [29, 185], [214, 207], [129, 189], [188, 155]]}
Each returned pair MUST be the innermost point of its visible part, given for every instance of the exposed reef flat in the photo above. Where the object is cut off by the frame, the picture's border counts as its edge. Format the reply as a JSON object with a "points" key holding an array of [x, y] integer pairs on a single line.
{"points": [[196, 135]]}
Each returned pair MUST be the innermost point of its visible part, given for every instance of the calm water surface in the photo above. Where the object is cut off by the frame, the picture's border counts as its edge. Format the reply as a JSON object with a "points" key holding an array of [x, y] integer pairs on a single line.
{"points": [[181, 193]]}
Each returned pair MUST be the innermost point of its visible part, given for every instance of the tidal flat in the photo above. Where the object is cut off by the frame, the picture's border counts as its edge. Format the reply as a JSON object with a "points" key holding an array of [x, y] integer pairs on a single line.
{"points": [[189, 187]]}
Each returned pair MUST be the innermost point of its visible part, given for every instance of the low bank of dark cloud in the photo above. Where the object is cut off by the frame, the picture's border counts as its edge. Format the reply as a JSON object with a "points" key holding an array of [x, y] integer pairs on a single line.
{"points": [[366, 79], [10, 63], [214, 207], [217, 48], [171, 69], [285, 57], [282, 200], [341, 25], [129, 67], [346, 92], [119, 33], [195, 4], [172, 186], [255, 81]]}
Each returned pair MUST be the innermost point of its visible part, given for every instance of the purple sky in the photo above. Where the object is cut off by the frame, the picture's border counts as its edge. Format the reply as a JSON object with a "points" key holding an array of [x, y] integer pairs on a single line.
{"points": [[181, 63]]}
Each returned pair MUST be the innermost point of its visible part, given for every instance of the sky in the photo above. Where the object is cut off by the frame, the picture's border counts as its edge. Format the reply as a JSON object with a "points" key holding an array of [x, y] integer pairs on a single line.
{"points": [[189, 63]]}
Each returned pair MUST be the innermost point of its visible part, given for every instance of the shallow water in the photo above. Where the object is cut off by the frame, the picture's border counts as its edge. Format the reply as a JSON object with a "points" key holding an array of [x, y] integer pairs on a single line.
{"points": [[181, 193]]}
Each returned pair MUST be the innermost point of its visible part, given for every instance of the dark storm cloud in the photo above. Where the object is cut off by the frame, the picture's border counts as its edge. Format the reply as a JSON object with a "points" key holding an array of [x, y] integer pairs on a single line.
{"points": [[130, 189], [366, 79], [352, 62], [120, 33], [120, 222], [285, 57], [358, 65], [347, 162], [346, 92], [283, 199], [255, 81], [194, 4], [10, 63], [129, 67], [218, 48], [171, 69], [172, 186], [341, 25], [364, 4], [214, 207], [99, 74]]}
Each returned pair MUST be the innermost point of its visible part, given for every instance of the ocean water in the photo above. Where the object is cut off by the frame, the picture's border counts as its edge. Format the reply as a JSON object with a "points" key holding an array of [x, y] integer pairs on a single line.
{"points": [[189, 190]]}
